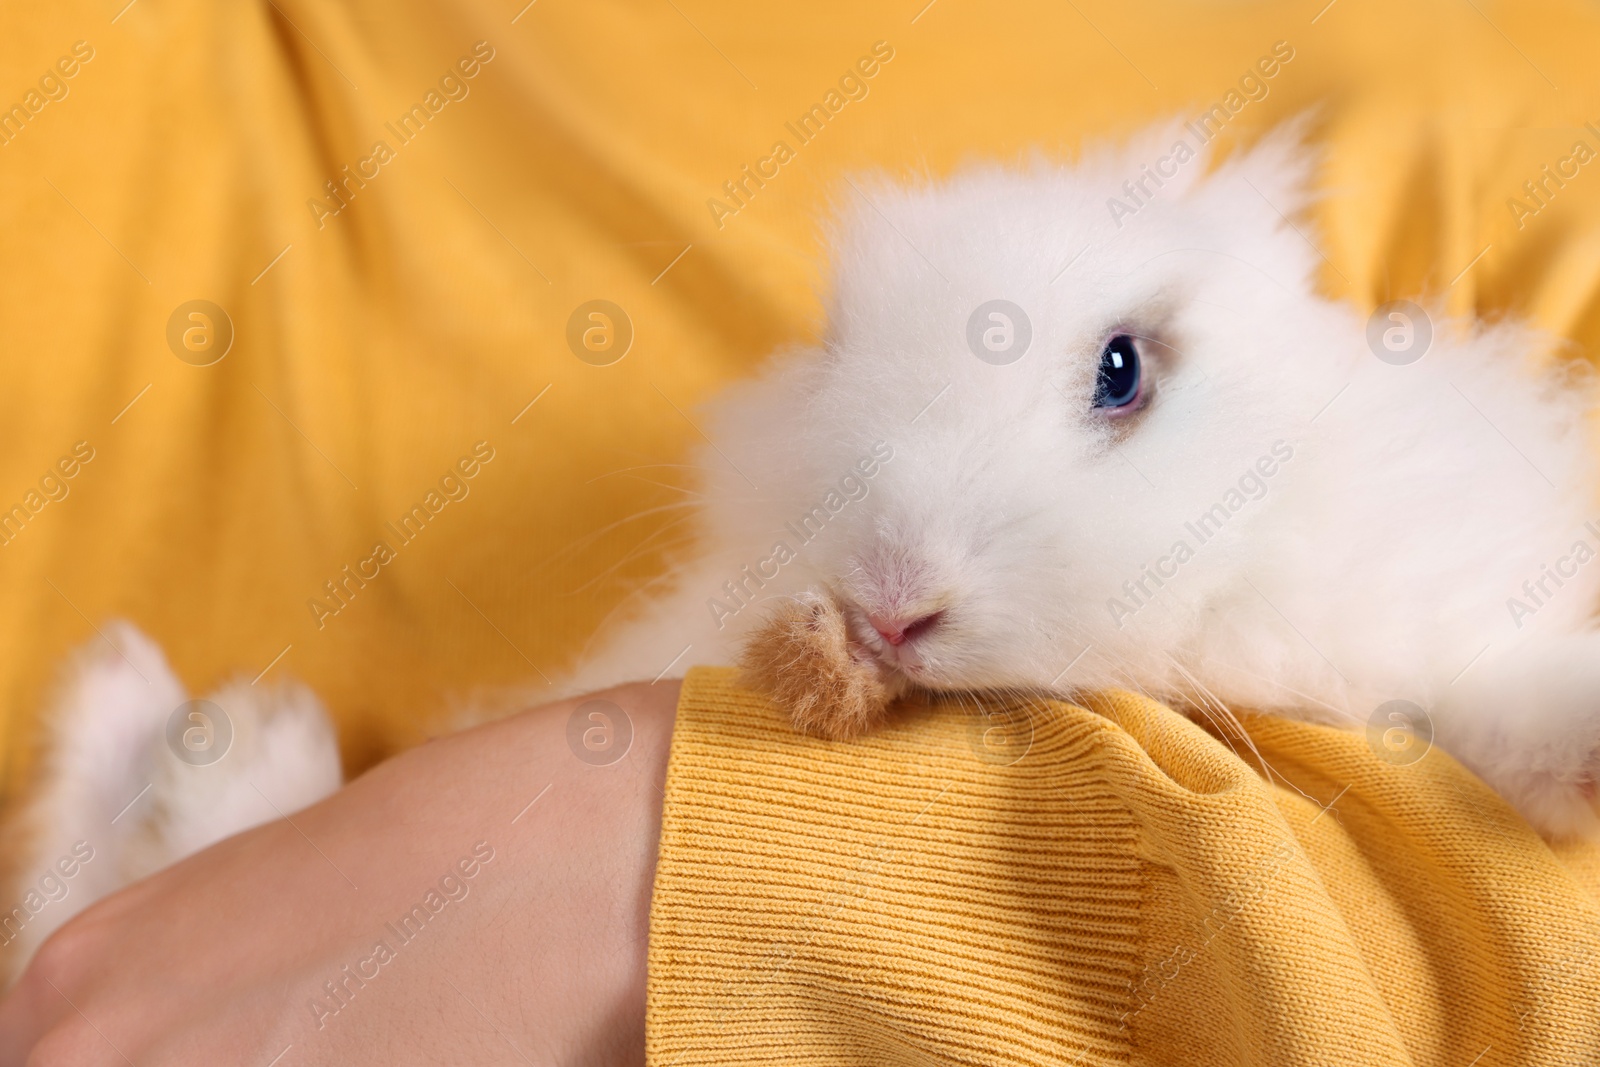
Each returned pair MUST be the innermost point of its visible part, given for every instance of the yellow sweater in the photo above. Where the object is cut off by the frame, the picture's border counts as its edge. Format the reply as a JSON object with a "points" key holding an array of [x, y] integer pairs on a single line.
{"points": [[1068, 885]]}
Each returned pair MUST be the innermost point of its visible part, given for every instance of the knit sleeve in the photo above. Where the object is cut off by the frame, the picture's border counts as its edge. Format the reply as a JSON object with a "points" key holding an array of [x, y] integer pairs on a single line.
{"points": [[1037, 882]]}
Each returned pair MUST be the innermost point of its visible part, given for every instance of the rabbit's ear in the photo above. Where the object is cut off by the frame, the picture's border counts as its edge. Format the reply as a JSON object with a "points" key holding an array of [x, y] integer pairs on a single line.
{"points": [[1282, 166], [1170, 149]]}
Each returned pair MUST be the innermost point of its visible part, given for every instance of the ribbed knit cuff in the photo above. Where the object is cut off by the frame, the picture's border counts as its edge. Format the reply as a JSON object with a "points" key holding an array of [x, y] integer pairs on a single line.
{"points": [[922, 895]]}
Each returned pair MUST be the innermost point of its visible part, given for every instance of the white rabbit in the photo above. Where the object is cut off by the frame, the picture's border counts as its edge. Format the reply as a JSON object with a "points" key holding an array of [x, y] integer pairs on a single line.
{"points": [[1160, 462], [1166, 463]]}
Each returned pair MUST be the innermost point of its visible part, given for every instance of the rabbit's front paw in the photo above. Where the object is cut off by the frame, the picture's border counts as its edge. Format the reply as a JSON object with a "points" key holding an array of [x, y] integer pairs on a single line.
{"points": [[805, 660]]}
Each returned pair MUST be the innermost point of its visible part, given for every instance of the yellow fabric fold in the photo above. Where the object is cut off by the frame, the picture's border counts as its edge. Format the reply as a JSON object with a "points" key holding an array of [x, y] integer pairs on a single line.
{"points": [[1049, 883]]}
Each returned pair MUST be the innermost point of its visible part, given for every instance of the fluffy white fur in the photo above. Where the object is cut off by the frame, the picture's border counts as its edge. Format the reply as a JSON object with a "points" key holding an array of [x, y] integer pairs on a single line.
{"points": [[1378, 565], [111, 782]]}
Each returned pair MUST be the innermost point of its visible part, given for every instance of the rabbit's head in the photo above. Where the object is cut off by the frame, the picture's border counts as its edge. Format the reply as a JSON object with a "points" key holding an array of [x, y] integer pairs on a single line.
{"points": [[1030, 381]]}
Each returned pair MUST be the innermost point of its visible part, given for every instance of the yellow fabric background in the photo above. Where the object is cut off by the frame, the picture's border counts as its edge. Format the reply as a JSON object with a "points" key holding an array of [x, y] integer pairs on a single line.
{"points": [[429, 313], [1066, 885]]}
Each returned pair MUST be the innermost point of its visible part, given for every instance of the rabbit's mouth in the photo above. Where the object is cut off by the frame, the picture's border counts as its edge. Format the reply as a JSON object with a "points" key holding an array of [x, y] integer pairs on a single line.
{"points": [[893, 645]]}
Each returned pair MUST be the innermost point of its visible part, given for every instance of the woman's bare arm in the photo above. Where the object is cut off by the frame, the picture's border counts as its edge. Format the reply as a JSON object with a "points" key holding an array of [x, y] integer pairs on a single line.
{"points": [[481, 899]]}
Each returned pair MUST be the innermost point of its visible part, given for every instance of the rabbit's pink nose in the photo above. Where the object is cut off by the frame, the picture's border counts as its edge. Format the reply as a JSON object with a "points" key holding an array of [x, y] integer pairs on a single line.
{"points": [[898, 629]]}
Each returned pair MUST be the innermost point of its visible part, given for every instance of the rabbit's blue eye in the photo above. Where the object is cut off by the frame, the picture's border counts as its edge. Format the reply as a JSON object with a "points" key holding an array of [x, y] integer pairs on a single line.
{"points": [[1120, 381]]}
